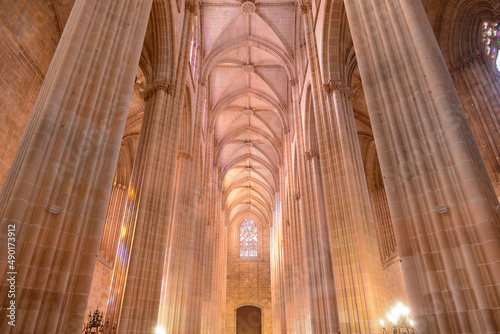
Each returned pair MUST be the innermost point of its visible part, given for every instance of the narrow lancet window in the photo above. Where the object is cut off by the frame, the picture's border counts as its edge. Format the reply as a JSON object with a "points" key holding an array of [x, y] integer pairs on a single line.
{"points": [[248, 239]]}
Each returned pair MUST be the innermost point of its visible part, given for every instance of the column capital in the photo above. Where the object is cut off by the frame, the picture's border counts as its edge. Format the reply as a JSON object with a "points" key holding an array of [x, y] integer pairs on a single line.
{"points": [[296, 195], [191, 7], [155, 87], [327, 88], [304, 9], [311, 154], [336, 85], [184, 154]]}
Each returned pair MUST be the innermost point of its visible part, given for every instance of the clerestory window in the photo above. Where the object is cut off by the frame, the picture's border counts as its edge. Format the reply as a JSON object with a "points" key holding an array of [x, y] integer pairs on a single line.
{"points": [[248, 238]]}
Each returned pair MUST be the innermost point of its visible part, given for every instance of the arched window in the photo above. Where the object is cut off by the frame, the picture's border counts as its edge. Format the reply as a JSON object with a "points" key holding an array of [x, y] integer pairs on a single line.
{"points": [[491, 40], [248, 238], [193, 52]]}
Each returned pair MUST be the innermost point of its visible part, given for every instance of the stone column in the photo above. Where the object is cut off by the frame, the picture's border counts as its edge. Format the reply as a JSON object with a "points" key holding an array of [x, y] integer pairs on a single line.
{"points": [[317, 305], [199, 251], [354, 220], [382, 218], [478, 86], [176, 314], [146, 229], [356, 263], [214, 301], [328, 319], [278, 297], [135, 239], [441, 201], [300, 280], [112, 227], [58, 187]]}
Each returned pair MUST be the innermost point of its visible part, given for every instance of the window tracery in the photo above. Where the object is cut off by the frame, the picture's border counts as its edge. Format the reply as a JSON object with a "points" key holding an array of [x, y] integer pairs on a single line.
{"points": [[491, 40], [248, 238]]}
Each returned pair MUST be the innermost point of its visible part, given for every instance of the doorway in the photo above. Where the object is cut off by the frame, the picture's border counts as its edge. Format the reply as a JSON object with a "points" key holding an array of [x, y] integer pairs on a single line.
{"points": [[248, 320]]}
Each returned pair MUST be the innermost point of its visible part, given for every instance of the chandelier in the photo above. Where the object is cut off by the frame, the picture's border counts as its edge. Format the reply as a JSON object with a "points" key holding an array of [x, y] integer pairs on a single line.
{"points": [[96, 324], [399, 320]]}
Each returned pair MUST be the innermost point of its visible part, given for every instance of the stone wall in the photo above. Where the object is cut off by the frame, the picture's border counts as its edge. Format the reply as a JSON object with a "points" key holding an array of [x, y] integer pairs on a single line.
{"points": [[248, 280], [394, 283], [101, 280], [30, 34]]}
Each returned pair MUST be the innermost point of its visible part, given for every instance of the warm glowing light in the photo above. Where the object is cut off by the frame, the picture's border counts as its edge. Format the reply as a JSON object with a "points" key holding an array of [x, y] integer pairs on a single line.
{"points": [[160, 330], [124, 232], [393, 318], [399, 316], [248, 238], [402, 310], [382, 323]]}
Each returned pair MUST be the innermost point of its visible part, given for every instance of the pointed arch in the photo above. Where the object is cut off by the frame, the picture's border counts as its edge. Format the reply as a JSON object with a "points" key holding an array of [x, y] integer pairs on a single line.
{"points": [[249, 238]]}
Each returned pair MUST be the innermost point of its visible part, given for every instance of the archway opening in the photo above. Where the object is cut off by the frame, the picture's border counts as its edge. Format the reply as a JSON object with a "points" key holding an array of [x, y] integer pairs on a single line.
{"points": [[248, 320]]}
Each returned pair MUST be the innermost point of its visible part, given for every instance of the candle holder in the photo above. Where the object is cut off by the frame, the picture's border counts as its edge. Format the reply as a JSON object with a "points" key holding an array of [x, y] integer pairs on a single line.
{"points": [[96, 325], [399, 320]]}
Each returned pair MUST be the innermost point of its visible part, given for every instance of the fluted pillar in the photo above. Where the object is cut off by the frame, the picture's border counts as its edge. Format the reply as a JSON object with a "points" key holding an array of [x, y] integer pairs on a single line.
{"points": [[138, 273], [137, 247], [286, 277], [478, 86], [360, 300], [441, 201], [314, 301], [320, 293], [327, 319], [278, 296], [198, 249], [177, 315], [382, 218], [111, 232], [356, 263], [214, 285], [58, 187]]}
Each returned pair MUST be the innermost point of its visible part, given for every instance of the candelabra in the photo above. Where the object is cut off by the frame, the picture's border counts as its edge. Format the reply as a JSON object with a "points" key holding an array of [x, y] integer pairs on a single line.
{"points": [[96, 325], [400, 321]]}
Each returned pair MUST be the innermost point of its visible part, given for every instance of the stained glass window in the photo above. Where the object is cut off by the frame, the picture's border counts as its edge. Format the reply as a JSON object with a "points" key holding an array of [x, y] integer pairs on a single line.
{"points": [[491, 40], [248, 238]]}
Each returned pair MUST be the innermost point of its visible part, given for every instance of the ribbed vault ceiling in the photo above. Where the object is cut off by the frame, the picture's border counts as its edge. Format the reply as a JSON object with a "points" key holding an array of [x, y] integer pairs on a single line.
{"points": [[248, 60], [248, 67]]}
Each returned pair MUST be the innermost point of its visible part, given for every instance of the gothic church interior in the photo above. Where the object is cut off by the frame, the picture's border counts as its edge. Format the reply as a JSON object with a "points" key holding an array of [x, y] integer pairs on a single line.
{"points": [[267, 166]]}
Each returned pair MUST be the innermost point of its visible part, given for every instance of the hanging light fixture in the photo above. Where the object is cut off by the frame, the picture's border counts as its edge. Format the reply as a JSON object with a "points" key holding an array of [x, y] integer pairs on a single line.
{"points": [[399, 320], [96, 324]]}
